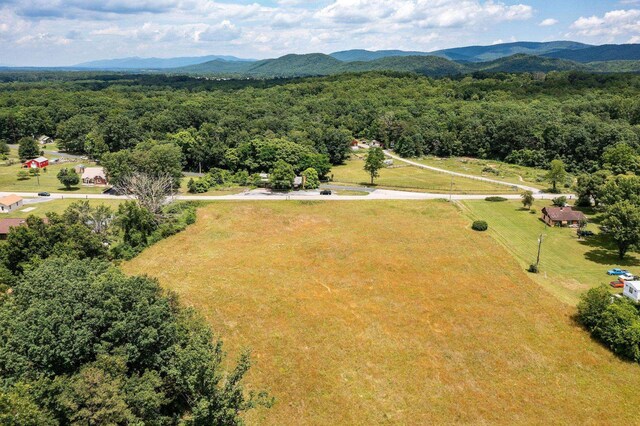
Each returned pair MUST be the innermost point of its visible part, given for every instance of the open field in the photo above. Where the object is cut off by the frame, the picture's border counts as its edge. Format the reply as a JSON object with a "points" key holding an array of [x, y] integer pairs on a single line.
{"points": [[388, 313], [48, 180], [568, 266], [505, 172], [405, 177], [55, 206]]}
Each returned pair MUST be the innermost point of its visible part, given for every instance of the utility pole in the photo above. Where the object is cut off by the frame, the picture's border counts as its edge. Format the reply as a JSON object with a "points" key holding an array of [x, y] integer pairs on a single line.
{"points": [[539, 249]]}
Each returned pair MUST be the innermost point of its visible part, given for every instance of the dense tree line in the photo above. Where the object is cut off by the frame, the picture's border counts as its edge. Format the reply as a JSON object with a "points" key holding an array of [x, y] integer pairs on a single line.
{"points": [[526, 119]]}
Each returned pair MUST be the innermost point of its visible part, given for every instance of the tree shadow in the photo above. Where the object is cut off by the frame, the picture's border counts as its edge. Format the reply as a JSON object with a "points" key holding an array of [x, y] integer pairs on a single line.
{"points": [[605, 251], [72, 189]]}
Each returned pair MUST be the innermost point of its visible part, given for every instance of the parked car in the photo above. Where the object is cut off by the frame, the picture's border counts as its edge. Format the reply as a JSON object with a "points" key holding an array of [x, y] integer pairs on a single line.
{"points": [[585, 233], [627, 277], [616, 284], [617, 271], [325, 192], [43, 194]]}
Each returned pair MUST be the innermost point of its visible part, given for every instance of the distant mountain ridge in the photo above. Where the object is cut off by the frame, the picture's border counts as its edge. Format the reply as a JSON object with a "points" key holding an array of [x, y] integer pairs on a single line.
{"points": [[607, 52], [318, 64], [154, 63]]}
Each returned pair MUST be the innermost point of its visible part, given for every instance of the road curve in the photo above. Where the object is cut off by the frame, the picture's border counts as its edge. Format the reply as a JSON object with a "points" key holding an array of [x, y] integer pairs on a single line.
{"points": [[424, 166]]}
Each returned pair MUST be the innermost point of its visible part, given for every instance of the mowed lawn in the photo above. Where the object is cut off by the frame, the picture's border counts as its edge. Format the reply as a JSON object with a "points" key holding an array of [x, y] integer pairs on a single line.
{"points": [[406, 177], [568, 266], [388, 313], [48, 181], [506, 172], [55, 206]]}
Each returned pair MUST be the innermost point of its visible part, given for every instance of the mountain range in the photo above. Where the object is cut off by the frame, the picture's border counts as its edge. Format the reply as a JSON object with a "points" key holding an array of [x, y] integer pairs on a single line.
{"points": [[504, 57]]}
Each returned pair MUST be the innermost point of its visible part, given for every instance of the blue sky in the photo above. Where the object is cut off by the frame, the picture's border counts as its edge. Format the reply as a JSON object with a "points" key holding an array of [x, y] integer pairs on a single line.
{"points": [[66, 32]]}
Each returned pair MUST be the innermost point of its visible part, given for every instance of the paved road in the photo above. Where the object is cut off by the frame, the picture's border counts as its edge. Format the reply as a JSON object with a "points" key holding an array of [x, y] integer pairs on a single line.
{"points": [[51, 152], [484, 179], [378, 194]]}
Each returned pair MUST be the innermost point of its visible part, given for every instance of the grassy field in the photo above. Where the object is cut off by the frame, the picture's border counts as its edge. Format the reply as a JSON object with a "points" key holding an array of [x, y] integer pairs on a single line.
{"points": [[388, 313], [56, 206], [48, 180], [505, 172], [568, 266], [408, 177]]}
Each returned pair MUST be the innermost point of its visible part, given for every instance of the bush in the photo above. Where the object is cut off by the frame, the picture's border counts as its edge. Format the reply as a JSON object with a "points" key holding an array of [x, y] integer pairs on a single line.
{"points": [[533, 269], [495, 199], [480, 225], [559, 201]]}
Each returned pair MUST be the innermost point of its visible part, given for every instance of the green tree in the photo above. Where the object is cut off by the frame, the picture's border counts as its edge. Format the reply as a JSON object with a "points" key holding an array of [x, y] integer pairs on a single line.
{"points": [[589, 187], [72, 134], [94, 346], [623, 221], [282, 176], [28, 148], [620, 159], [374, 162], [310, 177], [22, 174], [592, 305], [527, 199], [556, 174], [68, 177]]}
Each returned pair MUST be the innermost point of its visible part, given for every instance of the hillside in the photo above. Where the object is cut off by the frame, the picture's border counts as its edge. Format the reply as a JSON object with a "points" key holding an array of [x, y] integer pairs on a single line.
{"points": [[489, 53], [369, 55], [607, 52], [526, 63], [319, 64]]}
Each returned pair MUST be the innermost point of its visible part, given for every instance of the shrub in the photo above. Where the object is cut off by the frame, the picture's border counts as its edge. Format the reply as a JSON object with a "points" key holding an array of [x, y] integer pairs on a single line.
{"points": [[495, 199], [560, 201], [480, 225], [533, 269]]}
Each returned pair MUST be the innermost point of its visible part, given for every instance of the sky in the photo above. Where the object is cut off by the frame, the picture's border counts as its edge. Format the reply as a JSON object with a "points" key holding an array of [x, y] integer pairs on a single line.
{"points": [[67, 32]]}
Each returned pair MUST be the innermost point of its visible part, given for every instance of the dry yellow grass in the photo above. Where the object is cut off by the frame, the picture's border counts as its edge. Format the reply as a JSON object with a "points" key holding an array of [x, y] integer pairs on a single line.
{"points": [[388, 313]]}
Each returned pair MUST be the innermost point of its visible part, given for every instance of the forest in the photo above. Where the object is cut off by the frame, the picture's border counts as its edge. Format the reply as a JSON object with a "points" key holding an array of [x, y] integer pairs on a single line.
{"points": [[528, 119]]}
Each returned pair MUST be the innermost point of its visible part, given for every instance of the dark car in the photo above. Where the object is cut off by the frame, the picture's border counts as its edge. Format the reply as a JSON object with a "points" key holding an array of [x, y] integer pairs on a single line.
{"points": [[325, 192], [585, 233], [43, 194]]}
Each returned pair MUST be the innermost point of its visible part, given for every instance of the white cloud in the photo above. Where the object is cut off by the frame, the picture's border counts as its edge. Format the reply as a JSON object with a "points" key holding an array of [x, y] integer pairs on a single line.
{"points": [[549, 22], [611, 24]]}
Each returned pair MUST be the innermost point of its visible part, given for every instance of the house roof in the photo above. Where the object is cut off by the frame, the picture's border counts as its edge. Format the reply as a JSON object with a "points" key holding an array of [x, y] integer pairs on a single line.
{"points": [[10, 199], [39, 159], [43, 137], [7, 224], [93, 172], [560, 214]]}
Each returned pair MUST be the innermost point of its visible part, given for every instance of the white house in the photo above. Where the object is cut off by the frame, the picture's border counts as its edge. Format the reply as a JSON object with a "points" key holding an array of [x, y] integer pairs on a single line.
{"points": [[10, 203], [94, 176], [632, 290]]}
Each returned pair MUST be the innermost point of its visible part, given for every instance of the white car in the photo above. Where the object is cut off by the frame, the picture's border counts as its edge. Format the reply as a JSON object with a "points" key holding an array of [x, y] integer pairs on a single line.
{"points": [[627, 277]]}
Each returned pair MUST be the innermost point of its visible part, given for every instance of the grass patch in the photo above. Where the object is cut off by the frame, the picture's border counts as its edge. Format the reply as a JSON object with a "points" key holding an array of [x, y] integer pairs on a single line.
{"points": [[55, 206], [409, 177], [506, 172], [48, 180], [387, 312], [568, 266]]}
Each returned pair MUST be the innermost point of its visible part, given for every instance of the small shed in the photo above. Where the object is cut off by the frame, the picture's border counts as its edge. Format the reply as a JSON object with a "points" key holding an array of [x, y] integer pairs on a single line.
{"points": [[297, 182], [632, 290], [10, 203], [44, 139], [562, 216], [94, 176], [36, 163]]}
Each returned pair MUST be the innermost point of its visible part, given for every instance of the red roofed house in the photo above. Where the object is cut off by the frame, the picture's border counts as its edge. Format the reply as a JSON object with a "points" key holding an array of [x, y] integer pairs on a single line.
{"points": [[7, 224], [10, 203], [36, 163], [562, 216]]}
